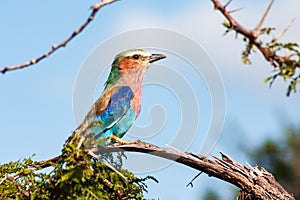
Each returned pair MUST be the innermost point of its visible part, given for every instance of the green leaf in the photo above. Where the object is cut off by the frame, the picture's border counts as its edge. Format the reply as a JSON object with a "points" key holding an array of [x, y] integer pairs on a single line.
{"points": [[268, 79]]}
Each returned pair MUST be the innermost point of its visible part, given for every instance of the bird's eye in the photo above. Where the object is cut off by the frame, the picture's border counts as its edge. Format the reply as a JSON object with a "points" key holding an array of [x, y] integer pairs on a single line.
{"points": [[135, 56]]}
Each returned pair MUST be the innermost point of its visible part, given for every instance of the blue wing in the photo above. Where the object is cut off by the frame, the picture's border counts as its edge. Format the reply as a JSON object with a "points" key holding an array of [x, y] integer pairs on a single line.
{"points": [[111, 114], [117, 110]]}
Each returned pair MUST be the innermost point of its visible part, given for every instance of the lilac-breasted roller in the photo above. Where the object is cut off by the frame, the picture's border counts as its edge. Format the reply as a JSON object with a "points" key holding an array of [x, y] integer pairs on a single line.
{"points": [[120, 103]]}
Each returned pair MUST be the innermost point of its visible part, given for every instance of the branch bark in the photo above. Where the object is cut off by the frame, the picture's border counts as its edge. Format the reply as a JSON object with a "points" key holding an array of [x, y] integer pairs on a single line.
{"points": [[95, 8], [254, 182]]}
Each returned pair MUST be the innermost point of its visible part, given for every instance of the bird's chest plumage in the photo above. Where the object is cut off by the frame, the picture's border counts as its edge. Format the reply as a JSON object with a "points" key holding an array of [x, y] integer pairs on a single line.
{"points": [[134, 80], [136, 102]]}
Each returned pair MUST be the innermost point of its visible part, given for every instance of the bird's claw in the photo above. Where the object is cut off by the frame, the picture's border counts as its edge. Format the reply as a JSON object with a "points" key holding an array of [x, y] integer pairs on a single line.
{"points": [[120, 141]]}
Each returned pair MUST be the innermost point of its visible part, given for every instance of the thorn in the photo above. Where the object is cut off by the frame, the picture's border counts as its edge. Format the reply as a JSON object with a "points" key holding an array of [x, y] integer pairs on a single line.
{"points": [[284, 31], [235, 10], [227, 3], [263, 18]]}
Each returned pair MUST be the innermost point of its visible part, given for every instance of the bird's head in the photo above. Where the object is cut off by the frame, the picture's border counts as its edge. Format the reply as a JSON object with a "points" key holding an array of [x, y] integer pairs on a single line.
{"points": [[135, 59], [133, 62]]}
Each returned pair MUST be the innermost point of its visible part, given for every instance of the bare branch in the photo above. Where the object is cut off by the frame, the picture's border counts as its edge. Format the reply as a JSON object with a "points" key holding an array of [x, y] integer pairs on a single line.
{"points": [[253, 181], [95, 8]]}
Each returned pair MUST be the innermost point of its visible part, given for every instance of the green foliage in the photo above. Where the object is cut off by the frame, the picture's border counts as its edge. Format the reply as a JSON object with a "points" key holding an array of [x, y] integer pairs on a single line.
{"points": [[72, 175], [211, 195], [247, 52], [282, 159]]}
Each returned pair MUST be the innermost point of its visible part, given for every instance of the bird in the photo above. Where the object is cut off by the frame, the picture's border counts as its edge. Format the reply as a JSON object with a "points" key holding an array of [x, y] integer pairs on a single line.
{"points": [[115, 111]]}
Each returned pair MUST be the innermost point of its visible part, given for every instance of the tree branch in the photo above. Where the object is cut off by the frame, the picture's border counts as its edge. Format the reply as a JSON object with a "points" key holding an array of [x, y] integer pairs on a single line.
{"points": [[285, 65], [254, 182], [251, 35], [95, 8]]}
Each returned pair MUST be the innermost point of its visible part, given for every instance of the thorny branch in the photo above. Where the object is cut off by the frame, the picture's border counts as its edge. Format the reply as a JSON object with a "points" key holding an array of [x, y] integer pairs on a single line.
{"points": [[250, 34], [95, 8], [285, 65]]}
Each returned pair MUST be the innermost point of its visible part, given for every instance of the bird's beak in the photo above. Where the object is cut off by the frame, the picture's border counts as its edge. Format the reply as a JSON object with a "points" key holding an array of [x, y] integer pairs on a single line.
{"points": [[156, 57]]}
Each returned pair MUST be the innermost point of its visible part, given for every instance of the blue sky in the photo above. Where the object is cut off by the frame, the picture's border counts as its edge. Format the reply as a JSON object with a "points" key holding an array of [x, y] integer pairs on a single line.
{"points": [[37, 103]]}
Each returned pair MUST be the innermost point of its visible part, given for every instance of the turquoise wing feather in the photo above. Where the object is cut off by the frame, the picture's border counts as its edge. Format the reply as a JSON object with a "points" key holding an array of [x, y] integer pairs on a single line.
{"points": [[111, 120], [112, 114]]}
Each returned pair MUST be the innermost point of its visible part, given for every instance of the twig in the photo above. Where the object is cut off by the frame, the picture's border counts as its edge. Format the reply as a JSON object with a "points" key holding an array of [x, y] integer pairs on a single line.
{"points": [[109, 184], [2, 180], [11, 179], [191, 182], [107, 164], [95, 8], [47, 163]]}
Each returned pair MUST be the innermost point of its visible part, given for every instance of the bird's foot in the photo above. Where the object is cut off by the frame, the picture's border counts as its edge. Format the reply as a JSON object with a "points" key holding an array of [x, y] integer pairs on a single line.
{"points": [[120, 141]]}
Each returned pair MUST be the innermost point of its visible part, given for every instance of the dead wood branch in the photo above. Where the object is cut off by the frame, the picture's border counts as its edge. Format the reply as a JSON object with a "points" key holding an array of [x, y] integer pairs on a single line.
{"points": [[254, 182]]}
